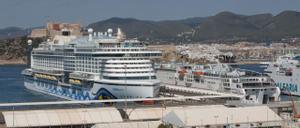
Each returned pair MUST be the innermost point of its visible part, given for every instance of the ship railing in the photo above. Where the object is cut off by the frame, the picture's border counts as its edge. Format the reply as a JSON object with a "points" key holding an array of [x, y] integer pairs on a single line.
{"points": [[104, 49], [63, 84], [259, 86], [81, 76], [114, 50], [231, 91], [50, 72]]}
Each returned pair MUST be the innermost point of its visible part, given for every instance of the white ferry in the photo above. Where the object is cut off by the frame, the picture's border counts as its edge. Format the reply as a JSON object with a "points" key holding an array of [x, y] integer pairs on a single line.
{"points": [[256, 87], [286, 73], [97, 66]]}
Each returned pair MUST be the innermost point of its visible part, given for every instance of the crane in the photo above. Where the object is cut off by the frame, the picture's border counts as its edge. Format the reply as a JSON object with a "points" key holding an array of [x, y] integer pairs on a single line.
{"points": [[296, 115]]}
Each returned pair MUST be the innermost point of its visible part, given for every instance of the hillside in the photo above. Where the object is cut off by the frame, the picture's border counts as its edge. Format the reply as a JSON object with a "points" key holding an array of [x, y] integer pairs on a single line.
{"points": [[148, 30], [13, 51], [222, 26], [12, 32], [261, 27], [225, 25]]}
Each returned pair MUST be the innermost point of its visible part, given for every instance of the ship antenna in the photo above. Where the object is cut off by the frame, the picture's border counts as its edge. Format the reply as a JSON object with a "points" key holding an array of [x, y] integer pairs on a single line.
{"points": [[90, 31]]}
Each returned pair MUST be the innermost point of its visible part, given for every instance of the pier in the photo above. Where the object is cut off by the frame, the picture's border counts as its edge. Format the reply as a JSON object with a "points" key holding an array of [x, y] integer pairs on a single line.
{"points": [[96, 115], [198, 91]]}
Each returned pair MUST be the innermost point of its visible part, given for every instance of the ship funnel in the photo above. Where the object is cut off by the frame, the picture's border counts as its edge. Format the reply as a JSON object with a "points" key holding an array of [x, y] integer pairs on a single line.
{"points": [[65, 32], [90, 31], [120, 35]]}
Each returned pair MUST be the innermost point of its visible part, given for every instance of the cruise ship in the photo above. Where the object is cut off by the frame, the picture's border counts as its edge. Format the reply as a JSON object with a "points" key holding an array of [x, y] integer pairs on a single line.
{"points": [[285, 71], [256, 87], [100, 65]]}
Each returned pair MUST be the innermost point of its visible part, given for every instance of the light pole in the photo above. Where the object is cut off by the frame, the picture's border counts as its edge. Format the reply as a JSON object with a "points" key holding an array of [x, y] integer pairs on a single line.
{"points": [[13, 115], [227, 121], [125, 87], [84, 118], [29, 49], [216, 117], [201, 123]]}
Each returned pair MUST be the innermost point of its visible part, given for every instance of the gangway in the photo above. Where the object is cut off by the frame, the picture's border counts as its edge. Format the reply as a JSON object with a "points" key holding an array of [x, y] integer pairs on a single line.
{"points": [[201, 91]]}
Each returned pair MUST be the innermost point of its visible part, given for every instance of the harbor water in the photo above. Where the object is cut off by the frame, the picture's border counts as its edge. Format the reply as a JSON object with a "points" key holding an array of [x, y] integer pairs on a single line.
{"points": [[12, 89]]}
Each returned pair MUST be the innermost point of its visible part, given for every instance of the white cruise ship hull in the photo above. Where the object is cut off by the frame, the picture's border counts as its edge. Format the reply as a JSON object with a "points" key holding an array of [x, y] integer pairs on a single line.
{"points": [[92, 67], [97, 92], [287, 85], [254, 94]]}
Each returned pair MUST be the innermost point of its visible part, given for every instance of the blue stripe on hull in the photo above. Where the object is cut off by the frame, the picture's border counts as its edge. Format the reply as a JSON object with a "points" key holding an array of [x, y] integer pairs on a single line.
{"points": [[72, 93], [288, 88]]}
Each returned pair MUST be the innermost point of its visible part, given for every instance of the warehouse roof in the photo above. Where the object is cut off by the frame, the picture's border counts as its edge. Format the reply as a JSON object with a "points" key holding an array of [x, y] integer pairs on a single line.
{"points": [[212, 115], [61, 117], [144, 124], [157, 113], [205, 115]]}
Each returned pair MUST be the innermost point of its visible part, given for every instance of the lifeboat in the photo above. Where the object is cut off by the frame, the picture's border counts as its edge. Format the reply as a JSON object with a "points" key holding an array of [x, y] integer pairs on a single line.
{"points": [[53, 78], [38, 75], [74, 81], [148, 102], [182, 71], [48, 77], [43, 76], [289, 72], [71, 80], [198, 73], [77, 81]]}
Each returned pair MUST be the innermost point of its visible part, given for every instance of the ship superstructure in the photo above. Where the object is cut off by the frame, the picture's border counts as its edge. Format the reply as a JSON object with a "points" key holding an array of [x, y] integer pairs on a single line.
{"points": [[285, 72], [256, 87], [97, 66]]}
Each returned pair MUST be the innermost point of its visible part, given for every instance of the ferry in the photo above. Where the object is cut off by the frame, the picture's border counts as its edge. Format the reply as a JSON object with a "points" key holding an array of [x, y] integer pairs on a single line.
{"points": [[256, 88], [285, 71], [92, 67]]}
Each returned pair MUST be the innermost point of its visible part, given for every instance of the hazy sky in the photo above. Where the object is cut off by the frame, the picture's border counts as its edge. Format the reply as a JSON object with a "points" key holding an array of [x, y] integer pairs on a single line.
{"points": [[32, 13]]}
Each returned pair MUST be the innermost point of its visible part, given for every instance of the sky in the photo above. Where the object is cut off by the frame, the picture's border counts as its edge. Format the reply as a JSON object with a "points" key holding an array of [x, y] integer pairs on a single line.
{"points": [[33, 13]]}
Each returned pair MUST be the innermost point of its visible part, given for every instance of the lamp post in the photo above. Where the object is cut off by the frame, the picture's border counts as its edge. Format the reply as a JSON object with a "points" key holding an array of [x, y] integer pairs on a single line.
{"points": [[29, 49], [13, 115], [125, 87], [216, 118]]}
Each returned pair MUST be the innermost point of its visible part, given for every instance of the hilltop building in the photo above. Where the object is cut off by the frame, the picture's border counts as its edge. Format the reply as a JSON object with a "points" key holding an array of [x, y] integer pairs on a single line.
{"points": [[53, 29]]}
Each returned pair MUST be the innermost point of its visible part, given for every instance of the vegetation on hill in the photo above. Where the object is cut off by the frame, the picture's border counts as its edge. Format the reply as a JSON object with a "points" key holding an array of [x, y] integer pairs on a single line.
{"points": [[15, 49], [225, 25], [146, 30], [222, 26], [12, 32]]}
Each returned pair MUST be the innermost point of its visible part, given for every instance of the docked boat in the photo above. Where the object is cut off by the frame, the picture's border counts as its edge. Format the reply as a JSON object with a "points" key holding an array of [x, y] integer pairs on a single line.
{"points": [[285, 71], [256, 87], [96, 66]]}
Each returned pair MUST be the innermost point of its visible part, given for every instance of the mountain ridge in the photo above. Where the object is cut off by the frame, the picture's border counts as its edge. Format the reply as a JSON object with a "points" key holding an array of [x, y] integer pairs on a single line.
{"points": [[222, 26]]}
